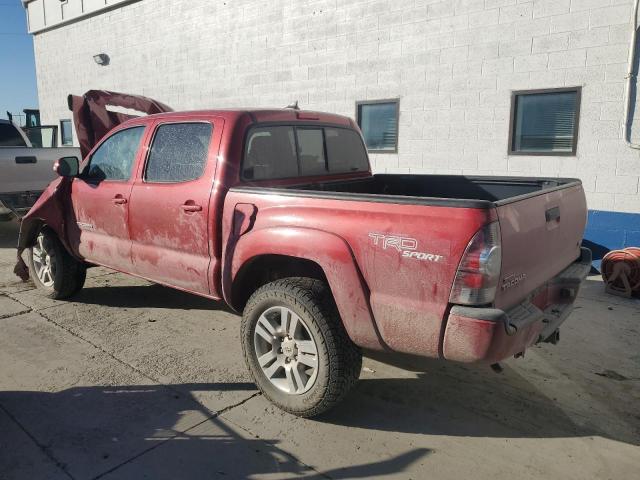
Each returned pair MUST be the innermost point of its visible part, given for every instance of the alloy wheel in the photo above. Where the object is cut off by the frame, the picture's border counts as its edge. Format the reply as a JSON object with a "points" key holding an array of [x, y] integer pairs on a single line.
{"points": [[44, 261], [286, 351]]}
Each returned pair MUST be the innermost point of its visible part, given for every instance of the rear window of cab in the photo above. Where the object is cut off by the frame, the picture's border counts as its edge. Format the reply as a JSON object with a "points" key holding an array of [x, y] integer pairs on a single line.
{"points": [[286, 151]]}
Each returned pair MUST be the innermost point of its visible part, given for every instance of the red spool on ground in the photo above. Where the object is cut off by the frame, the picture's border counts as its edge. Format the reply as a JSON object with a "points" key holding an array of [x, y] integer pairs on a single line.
{"points": [[621, 271]]}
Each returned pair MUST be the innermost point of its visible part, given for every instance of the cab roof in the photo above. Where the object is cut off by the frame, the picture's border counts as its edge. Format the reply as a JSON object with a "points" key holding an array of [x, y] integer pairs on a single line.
{"points": [[260, 115], [98, 111]]}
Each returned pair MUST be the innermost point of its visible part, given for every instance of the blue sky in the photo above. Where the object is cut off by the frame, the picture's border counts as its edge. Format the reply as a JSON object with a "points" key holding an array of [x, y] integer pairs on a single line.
{"points": [[17, 69]]}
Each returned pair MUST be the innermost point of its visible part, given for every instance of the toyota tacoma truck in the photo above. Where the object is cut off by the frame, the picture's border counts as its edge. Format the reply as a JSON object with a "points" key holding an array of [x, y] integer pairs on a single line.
{"points": [[277, 213]]}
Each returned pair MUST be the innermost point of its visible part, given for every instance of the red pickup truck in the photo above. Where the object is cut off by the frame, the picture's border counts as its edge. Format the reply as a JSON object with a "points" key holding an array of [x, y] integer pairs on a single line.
{"points": [[277, 213]]}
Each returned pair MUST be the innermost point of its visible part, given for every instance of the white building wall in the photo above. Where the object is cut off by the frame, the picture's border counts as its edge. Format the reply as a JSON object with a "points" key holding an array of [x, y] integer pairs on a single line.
{"points": [[453, 64], [45, 14]]}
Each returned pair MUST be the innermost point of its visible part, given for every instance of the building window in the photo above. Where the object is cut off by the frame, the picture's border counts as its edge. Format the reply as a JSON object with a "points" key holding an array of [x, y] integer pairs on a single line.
{"points": [[544, 122], [378, 121], [66, 132]]}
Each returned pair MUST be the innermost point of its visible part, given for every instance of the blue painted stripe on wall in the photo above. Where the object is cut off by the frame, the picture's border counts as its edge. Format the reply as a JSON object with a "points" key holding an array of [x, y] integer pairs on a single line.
{"points": [[610, 231]]}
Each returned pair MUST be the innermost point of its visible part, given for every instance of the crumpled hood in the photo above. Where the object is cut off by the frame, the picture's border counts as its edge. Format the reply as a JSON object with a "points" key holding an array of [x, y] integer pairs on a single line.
{"points": [[48, 210], [93, 120]]}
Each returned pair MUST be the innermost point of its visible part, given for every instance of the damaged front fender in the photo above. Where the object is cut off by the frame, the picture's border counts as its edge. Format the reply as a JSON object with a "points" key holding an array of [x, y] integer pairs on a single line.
{"points": [[49, 212]]}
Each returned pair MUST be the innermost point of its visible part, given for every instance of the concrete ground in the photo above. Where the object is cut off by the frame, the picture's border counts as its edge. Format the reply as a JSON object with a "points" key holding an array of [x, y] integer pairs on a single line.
{"points": [[132, 380]]}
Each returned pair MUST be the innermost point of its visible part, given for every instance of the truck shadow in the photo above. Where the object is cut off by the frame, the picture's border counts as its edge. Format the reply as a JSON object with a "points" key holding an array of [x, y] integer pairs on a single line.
{"points": [[469, 401], [146, 296], [442, 399], [163, 432], [151, 431]]}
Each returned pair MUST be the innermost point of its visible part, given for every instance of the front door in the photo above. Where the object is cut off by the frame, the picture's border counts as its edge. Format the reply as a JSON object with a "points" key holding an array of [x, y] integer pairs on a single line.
{"points": [[169, 210], [100, 201]]}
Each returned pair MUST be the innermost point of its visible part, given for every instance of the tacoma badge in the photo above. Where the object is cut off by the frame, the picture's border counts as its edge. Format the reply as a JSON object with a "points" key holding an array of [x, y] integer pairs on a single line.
{"points": [[512, 280]]}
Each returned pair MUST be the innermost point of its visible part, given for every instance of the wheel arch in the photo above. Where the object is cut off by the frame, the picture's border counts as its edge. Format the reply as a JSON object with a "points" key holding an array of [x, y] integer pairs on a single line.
{"points": [[48, 211], [29, 229], [265, 268], [292, 251]]}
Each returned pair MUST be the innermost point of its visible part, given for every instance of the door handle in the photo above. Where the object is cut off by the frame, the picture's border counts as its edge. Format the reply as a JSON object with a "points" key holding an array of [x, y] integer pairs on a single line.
{"points": [[553, 214], [191, 207], [27, 159], [119, 200]]}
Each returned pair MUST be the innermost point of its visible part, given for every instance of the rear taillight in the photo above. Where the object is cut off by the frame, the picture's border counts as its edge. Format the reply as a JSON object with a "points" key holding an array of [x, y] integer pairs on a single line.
{"points": [[479, 270]]}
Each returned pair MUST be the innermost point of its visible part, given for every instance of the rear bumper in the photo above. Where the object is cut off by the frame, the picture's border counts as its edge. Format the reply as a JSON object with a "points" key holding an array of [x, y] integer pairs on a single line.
{"points": [[490, 335]]}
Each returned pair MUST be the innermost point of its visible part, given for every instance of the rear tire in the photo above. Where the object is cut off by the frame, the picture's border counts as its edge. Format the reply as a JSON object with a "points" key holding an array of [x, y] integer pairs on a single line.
{"points": [[55, 273], [296, 347]]}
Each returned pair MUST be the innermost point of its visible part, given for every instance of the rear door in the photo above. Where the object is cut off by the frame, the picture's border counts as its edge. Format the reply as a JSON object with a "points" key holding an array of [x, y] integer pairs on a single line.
{"points": [[169, 213], [100, 200], [541, 236]]}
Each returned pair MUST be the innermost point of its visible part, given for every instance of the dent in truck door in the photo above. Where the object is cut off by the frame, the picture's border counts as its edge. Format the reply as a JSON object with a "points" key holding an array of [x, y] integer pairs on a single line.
{"points": [[100, 200], [169, 211]]}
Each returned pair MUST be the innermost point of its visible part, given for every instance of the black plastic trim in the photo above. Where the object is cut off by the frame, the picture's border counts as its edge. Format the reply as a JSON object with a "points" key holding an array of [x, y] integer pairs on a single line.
{"points": [[368, 197], [560, 184]]}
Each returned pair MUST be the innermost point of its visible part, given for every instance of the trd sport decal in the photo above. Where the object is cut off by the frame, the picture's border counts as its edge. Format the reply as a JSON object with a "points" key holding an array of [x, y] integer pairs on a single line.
{"points": [[407, 246]]}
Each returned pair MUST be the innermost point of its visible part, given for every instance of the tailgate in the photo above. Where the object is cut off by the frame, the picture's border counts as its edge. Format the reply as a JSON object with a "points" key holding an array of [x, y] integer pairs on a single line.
{"points": [[541, 235]]}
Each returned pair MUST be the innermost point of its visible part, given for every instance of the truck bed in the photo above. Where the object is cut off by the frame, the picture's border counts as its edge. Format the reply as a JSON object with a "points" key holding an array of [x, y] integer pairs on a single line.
{"points": [[478, 191], [541, 219]]}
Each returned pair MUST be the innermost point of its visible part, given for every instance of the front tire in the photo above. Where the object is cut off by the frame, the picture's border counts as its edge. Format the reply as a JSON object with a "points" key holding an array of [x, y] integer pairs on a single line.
{"points": [[55, 273], [296, 347]]}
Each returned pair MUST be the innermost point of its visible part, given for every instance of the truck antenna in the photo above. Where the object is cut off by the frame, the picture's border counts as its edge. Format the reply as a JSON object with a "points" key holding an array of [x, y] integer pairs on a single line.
{"points": [[293, 105]]}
